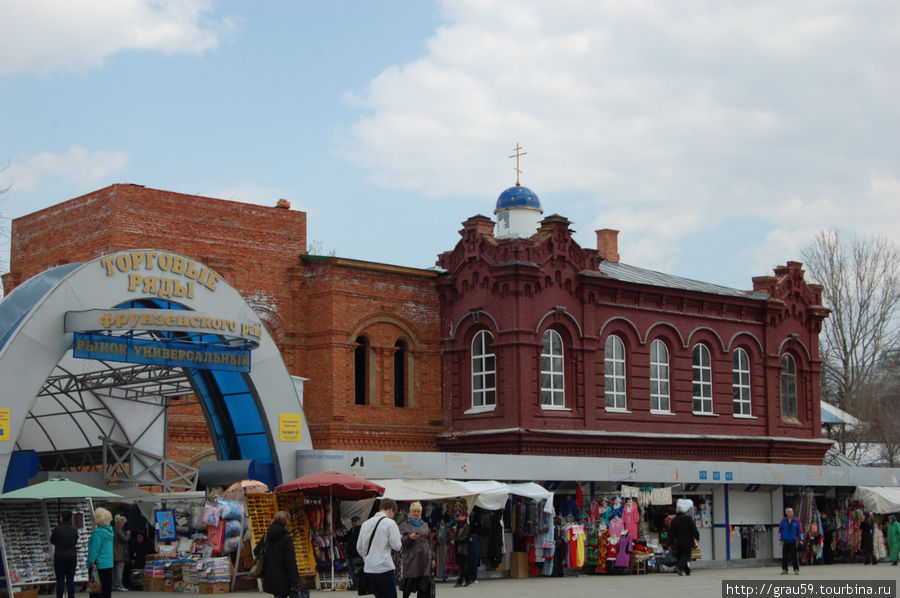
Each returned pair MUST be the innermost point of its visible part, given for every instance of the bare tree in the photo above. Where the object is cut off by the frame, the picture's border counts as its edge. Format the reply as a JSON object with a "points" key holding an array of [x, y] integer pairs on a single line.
{"points": [[861, 286]]}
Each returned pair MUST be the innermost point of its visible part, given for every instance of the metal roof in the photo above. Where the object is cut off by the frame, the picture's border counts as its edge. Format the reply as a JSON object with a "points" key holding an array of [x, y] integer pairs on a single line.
{"points": [[633, 274]]}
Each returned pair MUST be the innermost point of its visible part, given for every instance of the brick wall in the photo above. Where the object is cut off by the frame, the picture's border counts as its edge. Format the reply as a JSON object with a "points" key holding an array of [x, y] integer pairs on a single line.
{"points": [[314, 308]]}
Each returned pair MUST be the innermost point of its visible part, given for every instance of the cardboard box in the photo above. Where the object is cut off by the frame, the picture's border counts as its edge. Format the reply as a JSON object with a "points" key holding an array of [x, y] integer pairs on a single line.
{"points": [[215, 587], [154, 584], [518, 564], [244, 583], [26, 592]]}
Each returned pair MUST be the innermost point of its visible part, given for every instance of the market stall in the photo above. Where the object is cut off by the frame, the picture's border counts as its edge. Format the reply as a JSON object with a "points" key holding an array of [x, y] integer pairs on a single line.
{"points": [[28, 515]]}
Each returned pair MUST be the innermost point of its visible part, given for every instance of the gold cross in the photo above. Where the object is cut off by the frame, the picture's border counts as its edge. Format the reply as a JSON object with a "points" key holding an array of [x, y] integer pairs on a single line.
{"points": [[516, 156]]}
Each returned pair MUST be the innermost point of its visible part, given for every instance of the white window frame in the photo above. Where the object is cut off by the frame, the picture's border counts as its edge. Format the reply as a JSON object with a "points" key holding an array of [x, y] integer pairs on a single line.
{"points": [[701, 378], [660, 388], [484, 372], [789, 408], [553, 381], [740, 383], [614, 374]]}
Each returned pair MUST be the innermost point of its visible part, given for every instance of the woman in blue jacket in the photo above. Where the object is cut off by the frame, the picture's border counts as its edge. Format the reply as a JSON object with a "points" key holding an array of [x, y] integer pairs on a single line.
{"points": [[100, 549]]}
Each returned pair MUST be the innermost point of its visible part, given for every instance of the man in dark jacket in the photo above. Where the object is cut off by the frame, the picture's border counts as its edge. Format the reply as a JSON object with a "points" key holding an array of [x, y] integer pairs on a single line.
{"points": [[827, 537], [354, 560], [280, 574], [64, 538], [684, 532]]}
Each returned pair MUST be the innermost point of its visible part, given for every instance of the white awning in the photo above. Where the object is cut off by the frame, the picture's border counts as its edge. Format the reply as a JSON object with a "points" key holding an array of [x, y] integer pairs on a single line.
{"points": [[879, 499], [486, 494]]}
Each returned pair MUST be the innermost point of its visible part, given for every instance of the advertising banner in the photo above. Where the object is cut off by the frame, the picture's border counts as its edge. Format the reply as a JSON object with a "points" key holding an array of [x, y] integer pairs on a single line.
{"points": [[170, 353]]}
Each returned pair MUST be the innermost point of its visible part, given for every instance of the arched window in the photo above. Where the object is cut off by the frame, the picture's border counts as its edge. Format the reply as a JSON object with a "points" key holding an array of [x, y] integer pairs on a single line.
{"points": [[361, 370], [701, 365], [553, 392], [484, 376], [400, 354], [659, 377], [614, 373], [740, 382], [788, 386]]}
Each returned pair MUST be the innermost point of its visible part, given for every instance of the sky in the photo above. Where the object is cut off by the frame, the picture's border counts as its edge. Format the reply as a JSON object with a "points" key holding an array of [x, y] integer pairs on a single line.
{"points": [[718, 136]]}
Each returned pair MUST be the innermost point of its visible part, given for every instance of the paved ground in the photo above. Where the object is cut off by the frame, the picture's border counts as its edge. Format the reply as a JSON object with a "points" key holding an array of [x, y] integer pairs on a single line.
{"points": [[700, 584]]}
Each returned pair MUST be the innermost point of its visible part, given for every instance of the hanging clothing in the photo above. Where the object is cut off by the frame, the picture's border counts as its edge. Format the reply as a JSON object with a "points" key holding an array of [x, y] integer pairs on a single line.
{"points": [[626, 547], [631, 515]]}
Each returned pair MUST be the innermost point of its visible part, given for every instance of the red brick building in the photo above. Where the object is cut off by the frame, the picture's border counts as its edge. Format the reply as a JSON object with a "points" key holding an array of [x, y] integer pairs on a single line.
{"points": [[525, 343], [588, 356]]}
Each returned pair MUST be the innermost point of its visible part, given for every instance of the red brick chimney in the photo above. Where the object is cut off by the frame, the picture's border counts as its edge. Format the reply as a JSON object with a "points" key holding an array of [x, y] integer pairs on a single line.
{"points": [[608, 244]]}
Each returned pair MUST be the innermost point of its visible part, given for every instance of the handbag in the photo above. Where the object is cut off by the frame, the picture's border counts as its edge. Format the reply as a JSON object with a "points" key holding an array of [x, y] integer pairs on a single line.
{"points": [[696, 555], [256, 568], [430, 587], [362, 580], [94, 585]]}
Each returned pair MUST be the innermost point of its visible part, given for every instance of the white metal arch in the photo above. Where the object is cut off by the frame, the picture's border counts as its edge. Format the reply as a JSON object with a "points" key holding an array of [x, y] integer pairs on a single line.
{"points": [[36, 362]]}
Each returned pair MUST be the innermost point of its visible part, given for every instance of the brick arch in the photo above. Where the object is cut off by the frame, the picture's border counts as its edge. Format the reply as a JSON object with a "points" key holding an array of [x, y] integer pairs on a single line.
{"points": [[704, 333], [475, 315], [665, 326], [408, 330], [789, 343], [557, 315], [619, 323], [737, 338]]}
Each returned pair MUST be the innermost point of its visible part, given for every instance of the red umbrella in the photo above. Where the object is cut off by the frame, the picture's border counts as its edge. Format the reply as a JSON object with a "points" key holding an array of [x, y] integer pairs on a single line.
{"points": [[345, 486]]}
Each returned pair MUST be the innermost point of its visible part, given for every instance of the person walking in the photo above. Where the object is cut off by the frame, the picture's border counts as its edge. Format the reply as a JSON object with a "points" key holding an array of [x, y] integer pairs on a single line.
{"points": [[461, 543], [867, 540], [354, 560], [121, 536], [417, 557], [684, 532], [279, 572], [827, 538], [790, 534], [378, 536], [64, 538], [893, 540], [100, 550]]}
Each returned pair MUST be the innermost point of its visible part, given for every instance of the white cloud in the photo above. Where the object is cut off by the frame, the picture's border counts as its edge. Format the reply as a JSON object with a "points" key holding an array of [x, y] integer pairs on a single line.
{"points": [[666, 117], [44, 36], [78, 165]]}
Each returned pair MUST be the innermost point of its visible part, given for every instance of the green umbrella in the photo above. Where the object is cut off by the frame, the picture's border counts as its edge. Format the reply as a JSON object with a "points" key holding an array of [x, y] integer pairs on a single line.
{"points": [[57, 488]]}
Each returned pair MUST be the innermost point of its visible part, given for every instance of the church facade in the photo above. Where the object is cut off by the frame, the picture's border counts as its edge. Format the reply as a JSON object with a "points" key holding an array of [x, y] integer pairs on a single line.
{"points": [[520, 342]]}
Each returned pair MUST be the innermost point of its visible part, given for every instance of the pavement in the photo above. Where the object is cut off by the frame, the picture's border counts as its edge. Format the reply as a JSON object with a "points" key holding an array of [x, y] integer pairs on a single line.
{"points": [[700, 584]]}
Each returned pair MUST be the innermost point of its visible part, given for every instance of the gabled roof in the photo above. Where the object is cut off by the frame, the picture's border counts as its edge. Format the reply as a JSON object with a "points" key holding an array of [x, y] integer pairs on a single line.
{"points": [[633, 274]]}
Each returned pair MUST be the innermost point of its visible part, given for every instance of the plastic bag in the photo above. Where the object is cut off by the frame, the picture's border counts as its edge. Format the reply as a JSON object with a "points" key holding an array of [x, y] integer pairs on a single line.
{"points": [[211, 515], [229, 509], [94, 585]]}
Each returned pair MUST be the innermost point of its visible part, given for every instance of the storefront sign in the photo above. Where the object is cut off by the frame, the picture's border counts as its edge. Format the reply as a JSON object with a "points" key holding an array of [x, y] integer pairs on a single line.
{"points": [[161, 274], [290, 427], [4, 424], [170, 320], [168, 353]]}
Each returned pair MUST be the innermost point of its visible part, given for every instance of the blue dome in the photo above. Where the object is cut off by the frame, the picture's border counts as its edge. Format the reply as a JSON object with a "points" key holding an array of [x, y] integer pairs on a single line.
{"points": [[518, 197]]}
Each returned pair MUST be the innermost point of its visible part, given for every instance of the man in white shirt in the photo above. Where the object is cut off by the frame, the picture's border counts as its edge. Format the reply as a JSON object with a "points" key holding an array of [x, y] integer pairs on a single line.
{"points": [[377, 537]]}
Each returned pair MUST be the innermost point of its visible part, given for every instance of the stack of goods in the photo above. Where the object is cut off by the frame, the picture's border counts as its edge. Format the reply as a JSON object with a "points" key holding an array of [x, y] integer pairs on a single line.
{"points": [[155, 574], [190, 574], [215, 575]]}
